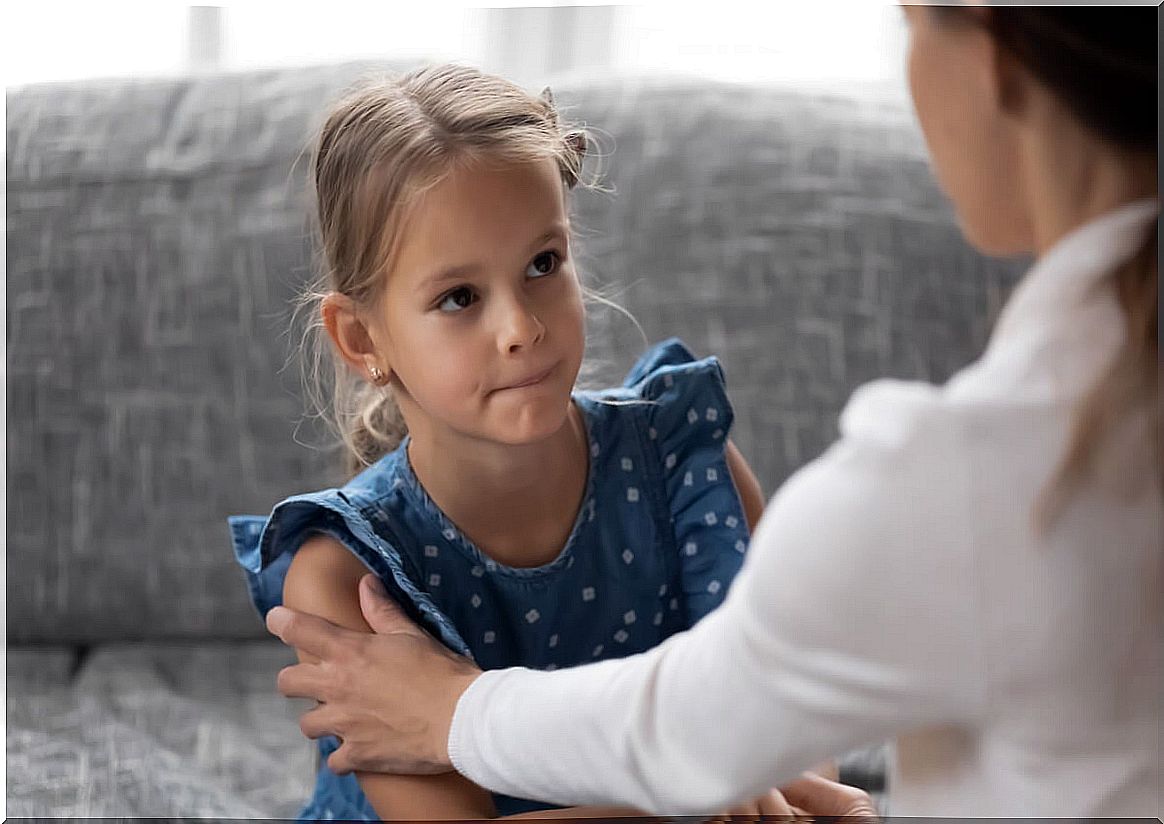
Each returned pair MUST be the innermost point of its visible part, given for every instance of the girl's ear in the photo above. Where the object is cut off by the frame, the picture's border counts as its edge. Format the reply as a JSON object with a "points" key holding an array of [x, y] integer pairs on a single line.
{"points": [[351, 338]]}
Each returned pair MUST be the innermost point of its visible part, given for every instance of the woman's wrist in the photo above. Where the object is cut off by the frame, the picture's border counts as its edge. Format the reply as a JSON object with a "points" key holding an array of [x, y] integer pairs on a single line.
{"points": [[456, 749]]}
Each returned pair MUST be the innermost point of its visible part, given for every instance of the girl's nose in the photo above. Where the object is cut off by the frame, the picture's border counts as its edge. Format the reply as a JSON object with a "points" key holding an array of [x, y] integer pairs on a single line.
{"points": [[521, 329]]}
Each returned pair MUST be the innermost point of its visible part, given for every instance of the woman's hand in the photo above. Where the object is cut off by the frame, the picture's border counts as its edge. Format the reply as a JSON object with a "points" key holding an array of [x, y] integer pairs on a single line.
{"points": [[819, 796], [817, 793], [388, 697], [770, 804]]}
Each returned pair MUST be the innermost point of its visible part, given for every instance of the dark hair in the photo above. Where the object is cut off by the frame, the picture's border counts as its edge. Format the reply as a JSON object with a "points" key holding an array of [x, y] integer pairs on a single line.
{"points": [[1101, 63]]}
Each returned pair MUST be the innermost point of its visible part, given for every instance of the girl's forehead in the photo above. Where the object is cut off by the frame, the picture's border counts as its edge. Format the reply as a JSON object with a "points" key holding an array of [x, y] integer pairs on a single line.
{"points": [[487, 199], [481, 211]]}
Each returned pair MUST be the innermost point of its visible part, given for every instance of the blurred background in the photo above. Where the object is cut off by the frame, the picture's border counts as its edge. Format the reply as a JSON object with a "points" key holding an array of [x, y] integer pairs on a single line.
{"points": [[819, 41]]}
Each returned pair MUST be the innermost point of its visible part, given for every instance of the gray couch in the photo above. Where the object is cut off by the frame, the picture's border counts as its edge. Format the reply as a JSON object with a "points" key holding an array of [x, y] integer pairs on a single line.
{"points": [[156, 236]]}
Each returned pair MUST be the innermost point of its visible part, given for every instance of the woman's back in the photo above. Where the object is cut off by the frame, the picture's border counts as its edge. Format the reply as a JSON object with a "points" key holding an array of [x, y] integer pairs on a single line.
{"points": [[1067, 622]]}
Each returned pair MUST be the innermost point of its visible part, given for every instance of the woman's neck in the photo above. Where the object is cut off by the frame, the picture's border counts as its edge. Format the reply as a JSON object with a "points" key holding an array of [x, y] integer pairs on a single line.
{"points": [[517, 504], [1070, 177]]}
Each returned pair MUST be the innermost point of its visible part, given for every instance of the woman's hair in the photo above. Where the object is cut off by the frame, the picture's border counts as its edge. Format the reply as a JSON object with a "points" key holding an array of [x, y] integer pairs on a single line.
{"points": [[384, 143], [1101, 64]]}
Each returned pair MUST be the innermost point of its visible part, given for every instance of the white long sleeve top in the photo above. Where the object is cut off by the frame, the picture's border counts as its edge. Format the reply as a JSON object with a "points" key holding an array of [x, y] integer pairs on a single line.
{"points": [[896, 588]]}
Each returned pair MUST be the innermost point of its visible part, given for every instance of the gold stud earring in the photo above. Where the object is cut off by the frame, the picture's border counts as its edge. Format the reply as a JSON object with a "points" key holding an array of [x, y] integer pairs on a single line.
{"points": [[377, 375]]}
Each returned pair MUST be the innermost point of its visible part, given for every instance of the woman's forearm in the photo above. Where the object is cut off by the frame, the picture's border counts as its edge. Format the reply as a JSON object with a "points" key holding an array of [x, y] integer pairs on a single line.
{"points": [[816, 650]]}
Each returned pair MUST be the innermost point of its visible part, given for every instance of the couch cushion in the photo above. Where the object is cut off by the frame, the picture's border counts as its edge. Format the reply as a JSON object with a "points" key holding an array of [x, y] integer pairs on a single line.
{"points": [[155, 731]]}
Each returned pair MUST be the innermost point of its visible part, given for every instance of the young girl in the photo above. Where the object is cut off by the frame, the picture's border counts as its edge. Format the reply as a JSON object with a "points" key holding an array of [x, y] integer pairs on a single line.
{"points": [[523, 522]]}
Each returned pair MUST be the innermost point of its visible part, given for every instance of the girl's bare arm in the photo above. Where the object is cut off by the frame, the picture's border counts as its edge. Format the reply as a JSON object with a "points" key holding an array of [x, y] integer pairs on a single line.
{"points": [[322, 580], [747, 486]]}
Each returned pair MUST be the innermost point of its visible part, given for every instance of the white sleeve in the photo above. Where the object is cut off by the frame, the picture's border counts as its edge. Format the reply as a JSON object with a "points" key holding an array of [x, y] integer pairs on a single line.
{"points": [[852, 620]]}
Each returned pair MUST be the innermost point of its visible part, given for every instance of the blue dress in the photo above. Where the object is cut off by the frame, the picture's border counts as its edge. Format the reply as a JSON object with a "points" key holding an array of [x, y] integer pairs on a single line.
{"points": [[655, 545]]}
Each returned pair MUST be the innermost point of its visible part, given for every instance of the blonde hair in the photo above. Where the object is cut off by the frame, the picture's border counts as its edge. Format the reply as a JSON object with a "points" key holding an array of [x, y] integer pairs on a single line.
{"points": [[386, 141]]}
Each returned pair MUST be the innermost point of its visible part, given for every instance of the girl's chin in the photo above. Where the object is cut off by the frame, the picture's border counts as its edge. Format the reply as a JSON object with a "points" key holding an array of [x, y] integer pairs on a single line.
{"points": [[531, 422]]}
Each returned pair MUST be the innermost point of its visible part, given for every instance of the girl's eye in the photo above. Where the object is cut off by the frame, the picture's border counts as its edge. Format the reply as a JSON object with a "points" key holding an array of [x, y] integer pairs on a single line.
{"points": [[460, 298], [544, 263]]}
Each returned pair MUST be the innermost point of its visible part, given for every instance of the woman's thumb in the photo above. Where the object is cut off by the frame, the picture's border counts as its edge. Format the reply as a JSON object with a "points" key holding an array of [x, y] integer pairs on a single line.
{"points": [[380, 611]]}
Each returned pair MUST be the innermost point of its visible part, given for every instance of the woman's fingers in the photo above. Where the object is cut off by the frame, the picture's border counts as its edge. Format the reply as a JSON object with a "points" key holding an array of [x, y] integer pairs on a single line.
{"points": [[382, 613], [318, 722], [772, 803], [307, 633], [820, 796], [303, 680]]}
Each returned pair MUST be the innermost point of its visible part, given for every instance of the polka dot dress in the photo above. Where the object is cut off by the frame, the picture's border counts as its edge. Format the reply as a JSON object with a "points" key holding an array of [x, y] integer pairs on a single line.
{"points": [[654, 546]]}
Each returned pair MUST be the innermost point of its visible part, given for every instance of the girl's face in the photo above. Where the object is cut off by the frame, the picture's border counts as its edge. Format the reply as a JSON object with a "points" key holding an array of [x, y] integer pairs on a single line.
{"points": [[958, 83], [481, 319]]}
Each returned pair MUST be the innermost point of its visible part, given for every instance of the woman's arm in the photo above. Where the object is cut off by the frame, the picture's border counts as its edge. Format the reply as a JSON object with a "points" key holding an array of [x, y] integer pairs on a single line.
{"points": [[323, 580], [853, 619], [747, 485]]}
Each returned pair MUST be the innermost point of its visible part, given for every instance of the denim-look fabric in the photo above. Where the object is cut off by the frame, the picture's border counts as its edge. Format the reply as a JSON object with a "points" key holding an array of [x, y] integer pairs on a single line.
{"points": [[656, 543]]}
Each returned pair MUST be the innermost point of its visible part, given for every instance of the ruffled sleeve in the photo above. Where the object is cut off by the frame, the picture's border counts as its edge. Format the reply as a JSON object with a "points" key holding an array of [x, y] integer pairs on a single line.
{"points": [[689, 419], [264, 548]]}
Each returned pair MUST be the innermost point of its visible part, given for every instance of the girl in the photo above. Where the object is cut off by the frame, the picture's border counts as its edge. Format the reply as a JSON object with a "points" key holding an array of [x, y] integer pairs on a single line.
{"points": [[522, 522]]}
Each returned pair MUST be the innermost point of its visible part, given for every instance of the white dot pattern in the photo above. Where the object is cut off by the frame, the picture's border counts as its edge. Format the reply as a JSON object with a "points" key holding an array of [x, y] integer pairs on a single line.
{"points": [[685, 475]]}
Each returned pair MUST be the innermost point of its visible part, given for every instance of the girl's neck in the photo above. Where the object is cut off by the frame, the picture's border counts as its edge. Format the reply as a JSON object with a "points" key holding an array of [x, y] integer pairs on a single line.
{"points": [[517, 504]]}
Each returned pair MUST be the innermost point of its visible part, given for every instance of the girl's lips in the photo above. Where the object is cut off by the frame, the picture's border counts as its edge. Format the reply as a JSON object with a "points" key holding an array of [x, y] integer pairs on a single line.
{"points": [[532, 380]]}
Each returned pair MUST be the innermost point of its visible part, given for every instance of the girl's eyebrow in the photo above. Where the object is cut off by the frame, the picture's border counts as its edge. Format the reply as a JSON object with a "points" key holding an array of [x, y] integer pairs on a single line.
{"points": [[465, 270]]}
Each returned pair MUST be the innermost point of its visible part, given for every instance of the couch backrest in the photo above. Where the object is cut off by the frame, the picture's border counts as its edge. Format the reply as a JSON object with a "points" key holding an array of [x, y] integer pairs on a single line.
{"points": [[157, 236]]}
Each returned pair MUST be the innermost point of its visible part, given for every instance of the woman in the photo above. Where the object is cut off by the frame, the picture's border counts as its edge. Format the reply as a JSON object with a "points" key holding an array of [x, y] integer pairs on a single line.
{"points": [[974, 569]]}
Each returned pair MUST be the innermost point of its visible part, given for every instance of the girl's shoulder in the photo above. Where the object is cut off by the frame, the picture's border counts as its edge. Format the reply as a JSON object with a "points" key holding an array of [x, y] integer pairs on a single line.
{"points": [[373, 515], [671, 395], [666, 430]]}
